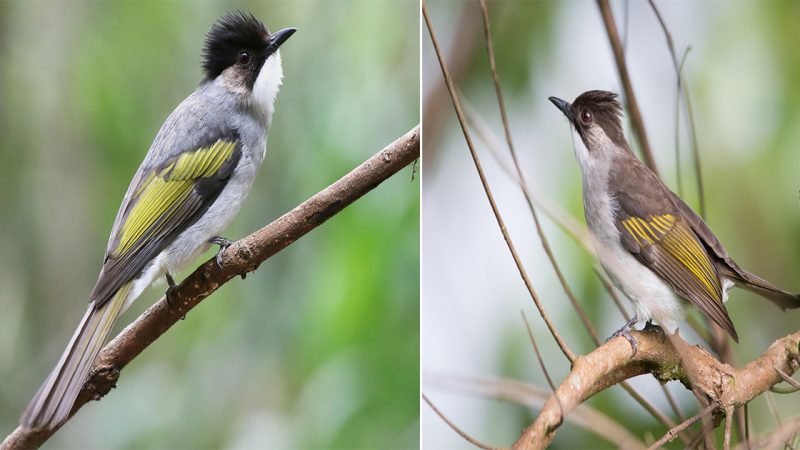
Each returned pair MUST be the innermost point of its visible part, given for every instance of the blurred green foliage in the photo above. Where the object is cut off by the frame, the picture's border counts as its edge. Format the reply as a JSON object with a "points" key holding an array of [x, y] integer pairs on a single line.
{"points": [[320, 346]]}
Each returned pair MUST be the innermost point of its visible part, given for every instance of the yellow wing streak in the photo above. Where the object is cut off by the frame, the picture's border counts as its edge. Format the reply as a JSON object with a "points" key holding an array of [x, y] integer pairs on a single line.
{"points": [[664, 231], [162, 192]]}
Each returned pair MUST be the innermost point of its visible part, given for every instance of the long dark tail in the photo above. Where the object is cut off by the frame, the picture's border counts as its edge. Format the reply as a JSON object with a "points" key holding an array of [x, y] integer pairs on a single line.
{"points": [[53, 402], [762, 287]]}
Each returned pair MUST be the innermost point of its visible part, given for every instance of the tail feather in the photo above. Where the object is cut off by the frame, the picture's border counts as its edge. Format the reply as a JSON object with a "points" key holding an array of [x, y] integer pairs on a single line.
{"points": [[53, 402], [754, 283]]}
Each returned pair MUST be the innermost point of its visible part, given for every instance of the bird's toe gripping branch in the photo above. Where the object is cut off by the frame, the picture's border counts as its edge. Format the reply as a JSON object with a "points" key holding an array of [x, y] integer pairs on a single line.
{"points": [[625, 332], [223, 245]]}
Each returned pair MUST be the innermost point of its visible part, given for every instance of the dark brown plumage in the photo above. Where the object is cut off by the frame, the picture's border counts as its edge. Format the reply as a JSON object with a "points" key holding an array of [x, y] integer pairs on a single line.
{"points": [[653, 224]]}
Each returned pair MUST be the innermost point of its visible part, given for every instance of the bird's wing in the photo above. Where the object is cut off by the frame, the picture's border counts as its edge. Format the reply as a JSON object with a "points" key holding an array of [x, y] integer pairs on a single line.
{"points": [[783, 299], [163, 200], [666, 244]]}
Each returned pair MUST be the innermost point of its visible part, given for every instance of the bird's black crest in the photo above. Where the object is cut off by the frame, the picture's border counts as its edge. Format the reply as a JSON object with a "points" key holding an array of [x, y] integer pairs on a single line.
{"points": [[232, 33]]}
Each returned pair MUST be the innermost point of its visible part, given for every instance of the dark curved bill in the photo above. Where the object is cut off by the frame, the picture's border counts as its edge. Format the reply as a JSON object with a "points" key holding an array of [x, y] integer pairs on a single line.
{"points": [[562, 105], [277, 38]]}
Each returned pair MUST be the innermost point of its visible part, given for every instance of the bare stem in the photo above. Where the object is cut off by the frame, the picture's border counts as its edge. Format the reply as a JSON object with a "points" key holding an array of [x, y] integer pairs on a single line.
{"points": [[627, 86], [500, 223]]}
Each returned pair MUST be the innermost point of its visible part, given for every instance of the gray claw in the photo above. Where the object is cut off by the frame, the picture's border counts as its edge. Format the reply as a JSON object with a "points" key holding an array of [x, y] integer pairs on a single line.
{"points": [[625, 332], [223, 245]]}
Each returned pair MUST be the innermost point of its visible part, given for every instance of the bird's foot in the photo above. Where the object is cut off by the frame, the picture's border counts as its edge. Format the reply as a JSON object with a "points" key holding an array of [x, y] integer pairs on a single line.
{"points": [[650, 326], [171, 286], [223, 245], [170, 294], [625, 332]]}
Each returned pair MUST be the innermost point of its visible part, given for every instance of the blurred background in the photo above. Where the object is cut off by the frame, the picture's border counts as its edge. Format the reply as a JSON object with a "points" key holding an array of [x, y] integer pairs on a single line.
{"points": [[320, 346], [743, 75]]}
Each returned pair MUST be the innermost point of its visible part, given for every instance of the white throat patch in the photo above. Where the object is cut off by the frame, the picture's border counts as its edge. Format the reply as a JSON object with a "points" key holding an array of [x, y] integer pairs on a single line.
{"points": [[268, 84]]}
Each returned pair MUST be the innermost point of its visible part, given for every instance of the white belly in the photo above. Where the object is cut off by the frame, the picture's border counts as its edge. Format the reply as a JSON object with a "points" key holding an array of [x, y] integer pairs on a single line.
{"points": [[651, 296], [190, 244]]}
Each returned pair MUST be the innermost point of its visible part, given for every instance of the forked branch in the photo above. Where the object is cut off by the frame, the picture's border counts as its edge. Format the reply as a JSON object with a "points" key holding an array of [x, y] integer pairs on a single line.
{"points": [[667, 359]]}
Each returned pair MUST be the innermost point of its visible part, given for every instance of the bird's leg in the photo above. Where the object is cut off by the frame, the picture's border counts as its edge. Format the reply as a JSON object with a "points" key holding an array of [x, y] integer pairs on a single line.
{"points": [[223, 244], [650, 326], [625, 332], [171, 286]]}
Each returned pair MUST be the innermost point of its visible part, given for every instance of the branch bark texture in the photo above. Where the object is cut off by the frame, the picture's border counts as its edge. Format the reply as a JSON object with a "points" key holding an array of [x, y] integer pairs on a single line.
{"points": [[240, 258], [667, 358]]}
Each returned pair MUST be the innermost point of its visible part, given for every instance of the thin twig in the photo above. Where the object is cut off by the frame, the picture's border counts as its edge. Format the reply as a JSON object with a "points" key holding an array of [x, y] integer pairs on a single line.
{"points": [[773, 409], [783, 390], [687, 102], [673, 432], [534, 397], [455, 428], [794, 383], [622, 67], [507, 129], [607, 285], [726, 440], [538, 354], [781, 437], [746, 426], [555, 212], [501, 224], [673, 403]]}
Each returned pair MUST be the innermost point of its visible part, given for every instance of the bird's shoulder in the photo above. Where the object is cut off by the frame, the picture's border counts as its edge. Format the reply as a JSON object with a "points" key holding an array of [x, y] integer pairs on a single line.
{"points": [[637, 190], [201, 119]]}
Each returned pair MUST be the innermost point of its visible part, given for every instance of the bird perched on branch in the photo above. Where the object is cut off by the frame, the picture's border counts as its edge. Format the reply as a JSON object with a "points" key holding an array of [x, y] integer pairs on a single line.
{"points": [[187, 190], [655, 249]]}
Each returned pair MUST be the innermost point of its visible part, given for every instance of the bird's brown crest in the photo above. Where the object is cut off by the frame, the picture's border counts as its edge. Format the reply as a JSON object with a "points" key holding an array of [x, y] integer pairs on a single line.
{"points": [[605, 111]]}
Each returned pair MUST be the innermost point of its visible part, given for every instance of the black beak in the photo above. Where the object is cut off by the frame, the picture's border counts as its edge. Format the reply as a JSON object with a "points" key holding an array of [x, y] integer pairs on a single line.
{"points": [[565, 107], [277, 38]]}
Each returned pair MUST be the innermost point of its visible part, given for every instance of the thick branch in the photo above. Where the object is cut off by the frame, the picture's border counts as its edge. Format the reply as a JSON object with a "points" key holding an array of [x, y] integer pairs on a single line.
{"points": [[242, 257], [667, 359]]}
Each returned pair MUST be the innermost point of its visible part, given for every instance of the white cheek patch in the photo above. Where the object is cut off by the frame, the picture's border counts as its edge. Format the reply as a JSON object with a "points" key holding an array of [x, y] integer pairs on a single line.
{"points": [[581, 152], [268, 83]]}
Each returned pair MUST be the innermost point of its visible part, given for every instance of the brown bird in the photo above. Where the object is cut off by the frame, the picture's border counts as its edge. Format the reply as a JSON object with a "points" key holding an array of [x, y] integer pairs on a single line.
{"points": [[653, 246]]}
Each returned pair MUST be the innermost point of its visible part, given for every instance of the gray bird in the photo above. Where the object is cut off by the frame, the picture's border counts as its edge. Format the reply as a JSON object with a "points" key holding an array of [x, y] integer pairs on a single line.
{"points": [[655, 249], [187, 190]]}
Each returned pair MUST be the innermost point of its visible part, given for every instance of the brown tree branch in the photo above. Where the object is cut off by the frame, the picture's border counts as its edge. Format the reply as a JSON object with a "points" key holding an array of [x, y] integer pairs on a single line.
{"points": [[534, 397], [667, 359], [240, 258]]}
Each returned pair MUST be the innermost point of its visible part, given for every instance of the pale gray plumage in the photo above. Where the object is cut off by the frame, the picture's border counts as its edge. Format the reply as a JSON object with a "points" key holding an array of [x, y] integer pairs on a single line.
{"points": [[230, 110]]}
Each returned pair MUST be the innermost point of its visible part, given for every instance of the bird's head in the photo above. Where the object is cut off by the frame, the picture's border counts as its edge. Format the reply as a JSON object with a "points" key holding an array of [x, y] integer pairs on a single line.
{"points": [[244, 54], [596, 117]]}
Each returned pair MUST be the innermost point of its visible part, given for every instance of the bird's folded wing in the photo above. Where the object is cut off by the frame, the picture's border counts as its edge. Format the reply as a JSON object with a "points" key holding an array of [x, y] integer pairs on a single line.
{"points": [[165, 201], [667, 245]]}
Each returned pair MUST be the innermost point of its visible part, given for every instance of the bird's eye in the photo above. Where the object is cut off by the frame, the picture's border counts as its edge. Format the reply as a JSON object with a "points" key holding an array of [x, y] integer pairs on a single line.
{"points": [[586, 117], [244, 58]]}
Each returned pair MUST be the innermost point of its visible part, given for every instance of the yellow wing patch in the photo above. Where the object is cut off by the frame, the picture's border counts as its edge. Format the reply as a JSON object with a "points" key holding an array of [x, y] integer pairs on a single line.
{"points": [[673, 236], [162, 191]]}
